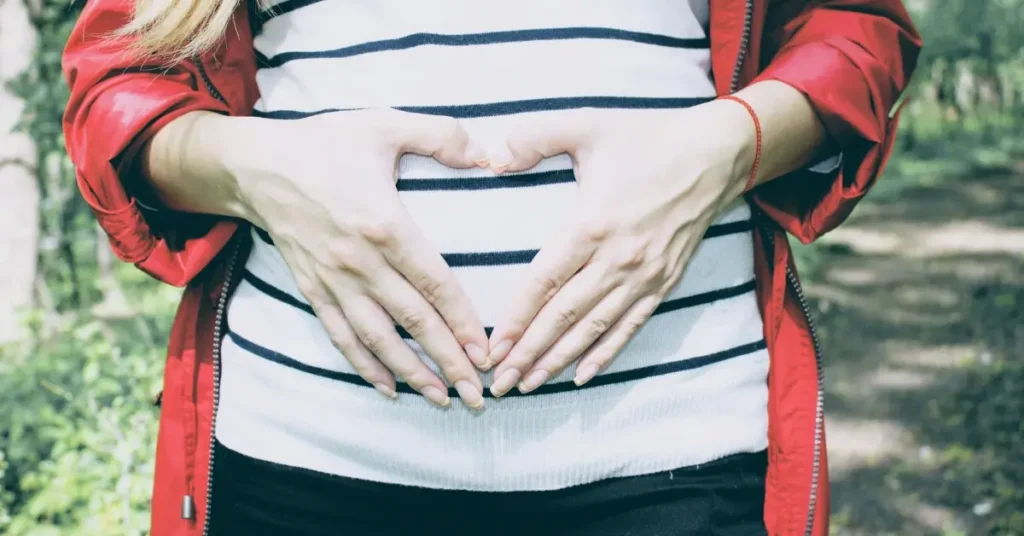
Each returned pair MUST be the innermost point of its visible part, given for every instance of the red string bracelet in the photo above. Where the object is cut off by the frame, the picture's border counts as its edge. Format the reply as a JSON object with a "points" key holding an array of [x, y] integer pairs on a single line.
{"points": [[757, 131]]}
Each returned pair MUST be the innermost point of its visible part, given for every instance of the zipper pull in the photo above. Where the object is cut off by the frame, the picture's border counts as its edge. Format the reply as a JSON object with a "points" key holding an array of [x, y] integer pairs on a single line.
{"points": [[188, 508]]}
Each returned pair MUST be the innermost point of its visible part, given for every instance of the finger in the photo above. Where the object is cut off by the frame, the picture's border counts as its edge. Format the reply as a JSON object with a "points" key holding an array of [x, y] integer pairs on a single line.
{"points": [[553, 265], [443, 138], [408, 308], [332, 318], [583, 335], [605, 349], [536, 137], [345, 340], [573, 302], [407, 250], [376, 332]]}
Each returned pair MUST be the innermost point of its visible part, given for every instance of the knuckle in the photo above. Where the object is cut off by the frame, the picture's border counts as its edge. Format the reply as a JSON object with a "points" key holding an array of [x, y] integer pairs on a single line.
{"points": [[381, 232], [546, 286], [595, 229], [413, 320], [565, 318], [632, 255], [309, 289], [341, 344], [343, 253], [373, 342], [633, 325], [431, 288], [657, 269], [598, 327]]}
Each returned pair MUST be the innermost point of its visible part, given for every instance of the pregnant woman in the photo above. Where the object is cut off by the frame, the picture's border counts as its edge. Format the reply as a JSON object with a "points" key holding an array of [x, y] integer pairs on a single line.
{"points": [[471, 267]]}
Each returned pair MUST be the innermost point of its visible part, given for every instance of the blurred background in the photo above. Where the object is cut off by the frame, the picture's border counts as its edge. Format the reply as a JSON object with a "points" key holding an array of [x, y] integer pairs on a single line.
{"points": [[917, 298]]}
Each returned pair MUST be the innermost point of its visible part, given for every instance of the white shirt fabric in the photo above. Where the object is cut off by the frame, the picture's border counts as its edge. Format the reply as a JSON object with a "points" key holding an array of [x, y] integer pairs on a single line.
{"points": [[689, 388]]}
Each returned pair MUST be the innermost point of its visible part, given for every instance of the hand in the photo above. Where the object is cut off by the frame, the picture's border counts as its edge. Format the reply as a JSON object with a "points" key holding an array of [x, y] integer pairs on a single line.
{"points": [[324, 188], [650, 184]]}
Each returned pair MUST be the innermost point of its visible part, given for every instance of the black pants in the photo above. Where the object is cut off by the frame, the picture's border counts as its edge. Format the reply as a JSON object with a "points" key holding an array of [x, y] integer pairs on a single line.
{"points": [[254, 497]]}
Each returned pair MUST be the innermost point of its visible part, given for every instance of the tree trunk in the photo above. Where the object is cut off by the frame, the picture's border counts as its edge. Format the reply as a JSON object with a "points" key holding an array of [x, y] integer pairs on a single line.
{"points": [[19, 201]]}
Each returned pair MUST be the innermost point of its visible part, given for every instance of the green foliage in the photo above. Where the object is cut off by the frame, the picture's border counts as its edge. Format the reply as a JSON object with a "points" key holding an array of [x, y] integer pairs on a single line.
{"points": [[969, 85], [78, 426]]}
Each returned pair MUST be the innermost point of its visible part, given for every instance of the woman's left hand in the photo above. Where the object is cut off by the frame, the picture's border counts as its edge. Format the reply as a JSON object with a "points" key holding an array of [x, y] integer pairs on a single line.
{"points": [[650, 184]]}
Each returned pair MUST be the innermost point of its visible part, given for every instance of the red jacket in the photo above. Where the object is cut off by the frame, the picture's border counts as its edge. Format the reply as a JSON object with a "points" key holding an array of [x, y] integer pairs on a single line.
{"points": [[852, 58]]}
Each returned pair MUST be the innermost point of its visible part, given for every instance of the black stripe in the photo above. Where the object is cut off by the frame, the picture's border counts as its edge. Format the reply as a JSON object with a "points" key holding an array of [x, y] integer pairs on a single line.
{"points": [[489, 38], [694, 300], [288, 299], [524, 180], [524, 256], [489, 258], [276, 293], [264, 236], [733, 227], [551, 388], [469, 111], [676, 304]]}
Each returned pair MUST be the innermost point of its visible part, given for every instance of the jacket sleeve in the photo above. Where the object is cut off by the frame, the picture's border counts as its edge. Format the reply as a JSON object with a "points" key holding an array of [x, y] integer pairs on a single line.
{"points": [[117, 103], [852, 59]]}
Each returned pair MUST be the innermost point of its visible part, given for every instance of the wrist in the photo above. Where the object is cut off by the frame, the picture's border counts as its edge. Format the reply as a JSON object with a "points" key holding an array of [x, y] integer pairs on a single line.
{"points": [[739, 147], [229, 144], [746, 128]]}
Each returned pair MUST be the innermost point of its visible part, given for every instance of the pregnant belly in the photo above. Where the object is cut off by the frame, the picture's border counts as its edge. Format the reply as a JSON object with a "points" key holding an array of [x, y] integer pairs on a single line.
{"points": [[488, 229]]}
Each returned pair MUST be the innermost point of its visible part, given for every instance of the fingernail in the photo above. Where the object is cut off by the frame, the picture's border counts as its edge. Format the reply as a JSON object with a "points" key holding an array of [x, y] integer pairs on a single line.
{"points": [[500, 351], [506, 381], [477, 154], [436, 396], [478, 356], [470, 394], [585, 373], [385, 390], [533, 380], [500, 161]]}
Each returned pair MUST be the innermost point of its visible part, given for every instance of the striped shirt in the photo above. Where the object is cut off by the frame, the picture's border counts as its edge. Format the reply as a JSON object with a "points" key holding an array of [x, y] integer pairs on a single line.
{"points": [[689, 388]]}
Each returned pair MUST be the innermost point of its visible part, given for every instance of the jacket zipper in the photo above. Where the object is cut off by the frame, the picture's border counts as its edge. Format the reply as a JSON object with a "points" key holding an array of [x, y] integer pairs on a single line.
{"points": [[218, 336], [793, 281], [218, 330], [207, 82]]}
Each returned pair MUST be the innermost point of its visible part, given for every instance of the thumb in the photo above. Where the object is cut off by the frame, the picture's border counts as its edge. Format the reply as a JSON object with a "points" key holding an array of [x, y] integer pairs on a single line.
{"points": [[441, 137], [535, 137]]}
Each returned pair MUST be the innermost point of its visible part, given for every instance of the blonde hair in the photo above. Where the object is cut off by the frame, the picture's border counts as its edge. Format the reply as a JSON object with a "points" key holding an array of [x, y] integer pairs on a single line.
{"points": [[179, 29]]}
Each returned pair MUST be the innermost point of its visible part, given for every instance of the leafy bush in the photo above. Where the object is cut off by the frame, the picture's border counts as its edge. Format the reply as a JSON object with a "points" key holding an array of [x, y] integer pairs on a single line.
{"points": [[78, 424]]}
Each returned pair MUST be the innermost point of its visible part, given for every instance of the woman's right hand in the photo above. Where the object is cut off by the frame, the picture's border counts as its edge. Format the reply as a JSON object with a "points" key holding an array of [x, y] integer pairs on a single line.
{"points": [[324, 188]]}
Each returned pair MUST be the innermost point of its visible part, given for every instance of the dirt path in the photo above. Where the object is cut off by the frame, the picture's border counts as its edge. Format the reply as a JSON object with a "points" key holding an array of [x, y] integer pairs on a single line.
{"points": [[918, 298]]}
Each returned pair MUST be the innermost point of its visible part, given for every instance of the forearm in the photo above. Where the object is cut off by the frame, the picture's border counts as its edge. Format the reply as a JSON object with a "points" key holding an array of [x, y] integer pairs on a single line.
{"points": [[185, 167], [791, 132]]}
